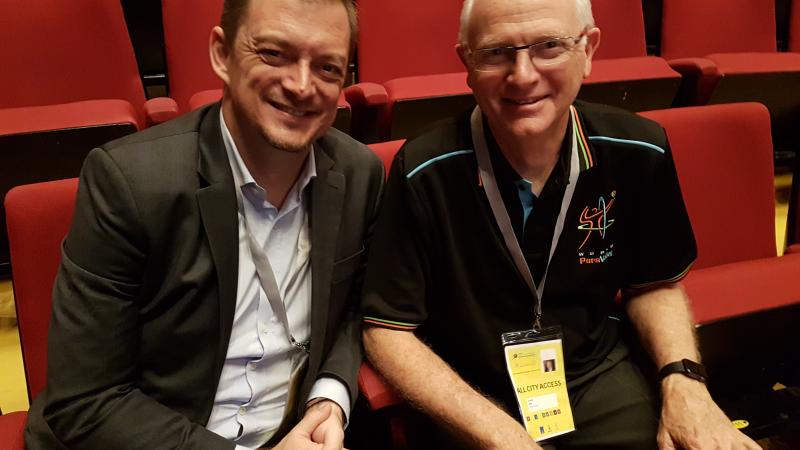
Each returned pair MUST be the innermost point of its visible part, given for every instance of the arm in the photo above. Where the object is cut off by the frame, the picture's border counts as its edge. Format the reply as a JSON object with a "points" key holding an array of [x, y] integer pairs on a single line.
{"points": [[93, 400], [689, 417], [431, 385]]}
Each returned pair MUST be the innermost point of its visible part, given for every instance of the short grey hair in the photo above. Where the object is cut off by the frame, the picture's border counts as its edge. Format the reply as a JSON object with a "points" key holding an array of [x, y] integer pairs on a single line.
{"points": [[583, 8]]}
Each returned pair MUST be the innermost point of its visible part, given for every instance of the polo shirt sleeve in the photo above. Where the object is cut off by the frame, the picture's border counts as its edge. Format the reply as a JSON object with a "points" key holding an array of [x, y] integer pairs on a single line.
{"points": [[661, 241], [399, 261]]}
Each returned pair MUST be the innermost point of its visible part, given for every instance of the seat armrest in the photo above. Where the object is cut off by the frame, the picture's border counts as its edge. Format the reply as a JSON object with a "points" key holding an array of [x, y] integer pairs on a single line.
{"points": [[366, 94], [700, 77], [159, 110], [375, 389], [12, 429]]}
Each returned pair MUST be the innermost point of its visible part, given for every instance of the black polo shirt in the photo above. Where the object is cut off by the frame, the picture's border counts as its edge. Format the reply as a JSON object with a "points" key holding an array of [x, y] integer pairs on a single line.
{"points": [[439, 265]]}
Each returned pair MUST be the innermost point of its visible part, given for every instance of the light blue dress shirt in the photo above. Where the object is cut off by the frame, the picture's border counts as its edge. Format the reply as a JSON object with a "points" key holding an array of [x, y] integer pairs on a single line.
{"points": [[254, 385]]}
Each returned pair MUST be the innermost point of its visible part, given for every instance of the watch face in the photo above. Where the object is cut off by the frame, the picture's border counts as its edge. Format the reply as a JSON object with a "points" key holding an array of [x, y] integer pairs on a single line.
{"points": [[694, 369]]}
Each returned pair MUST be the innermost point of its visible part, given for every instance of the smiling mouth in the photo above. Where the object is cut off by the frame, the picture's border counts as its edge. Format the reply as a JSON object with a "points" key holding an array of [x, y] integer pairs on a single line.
{"points": [[523, 101], [291, 111]]}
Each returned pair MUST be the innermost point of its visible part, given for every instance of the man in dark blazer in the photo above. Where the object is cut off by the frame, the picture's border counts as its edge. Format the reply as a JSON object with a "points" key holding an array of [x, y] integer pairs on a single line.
{"points": [[149, 286]]}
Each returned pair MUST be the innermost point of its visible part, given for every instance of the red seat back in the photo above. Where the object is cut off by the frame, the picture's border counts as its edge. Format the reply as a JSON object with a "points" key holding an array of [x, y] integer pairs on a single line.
{"points": [[723, 155], [407, 38], [698, 28], [794, 27], [622, 25], [187, 27], [39, 216], [56, 51], [386, 152]]}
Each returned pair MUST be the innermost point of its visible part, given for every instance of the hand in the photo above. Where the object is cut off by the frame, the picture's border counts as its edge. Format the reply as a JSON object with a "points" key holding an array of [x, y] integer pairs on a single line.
{"points": [[330, 433], [300, 437], [691, 420]]}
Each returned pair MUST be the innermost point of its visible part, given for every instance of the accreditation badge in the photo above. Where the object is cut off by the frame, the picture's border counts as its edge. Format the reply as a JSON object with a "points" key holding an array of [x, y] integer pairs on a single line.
{"points": [[535, 363]]}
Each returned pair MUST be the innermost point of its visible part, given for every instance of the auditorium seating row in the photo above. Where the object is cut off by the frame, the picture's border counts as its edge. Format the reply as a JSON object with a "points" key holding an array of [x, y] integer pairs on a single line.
{"points": [[745, 298], [68, 94]]}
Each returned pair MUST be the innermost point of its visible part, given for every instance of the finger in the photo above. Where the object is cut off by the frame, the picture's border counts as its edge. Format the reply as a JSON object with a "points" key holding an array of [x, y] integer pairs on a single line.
{"points": [[664, 440], [333, 438], [312, 419]]}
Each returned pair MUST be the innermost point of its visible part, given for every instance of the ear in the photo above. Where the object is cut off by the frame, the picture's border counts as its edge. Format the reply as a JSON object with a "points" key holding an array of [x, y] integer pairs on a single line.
{"points": [[592, 42], [219, 52], [463, 55]]}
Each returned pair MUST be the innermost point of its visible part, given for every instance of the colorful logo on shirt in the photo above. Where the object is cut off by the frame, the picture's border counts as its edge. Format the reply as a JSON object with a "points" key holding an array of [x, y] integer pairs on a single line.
{"points": [[597, 219]]}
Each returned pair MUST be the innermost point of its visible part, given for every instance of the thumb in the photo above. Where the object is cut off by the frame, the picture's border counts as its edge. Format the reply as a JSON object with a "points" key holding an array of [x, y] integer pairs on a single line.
{"points": [[664, 440], [313, 418]]}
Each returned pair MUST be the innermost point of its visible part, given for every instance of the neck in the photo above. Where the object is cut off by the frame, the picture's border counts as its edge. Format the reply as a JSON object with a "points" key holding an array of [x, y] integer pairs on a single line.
{"points": [[533, 157], [274, 169]]}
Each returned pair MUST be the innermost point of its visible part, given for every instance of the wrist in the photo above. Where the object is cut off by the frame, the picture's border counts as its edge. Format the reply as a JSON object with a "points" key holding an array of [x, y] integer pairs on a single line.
{"points": [[678, 383]]}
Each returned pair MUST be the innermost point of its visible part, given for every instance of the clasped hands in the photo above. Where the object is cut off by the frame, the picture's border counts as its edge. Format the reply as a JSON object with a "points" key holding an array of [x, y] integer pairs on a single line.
{"points": [[322, 428]]}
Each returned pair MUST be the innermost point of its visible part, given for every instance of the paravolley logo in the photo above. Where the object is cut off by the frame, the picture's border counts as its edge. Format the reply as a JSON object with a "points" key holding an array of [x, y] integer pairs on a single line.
{"points": [[596, 220]]}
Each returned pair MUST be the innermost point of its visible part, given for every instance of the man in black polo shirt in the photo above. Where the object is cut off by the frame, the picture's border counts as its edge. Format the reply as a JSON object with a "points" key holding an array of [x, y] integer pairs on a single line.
{"points": [[593, 208]]}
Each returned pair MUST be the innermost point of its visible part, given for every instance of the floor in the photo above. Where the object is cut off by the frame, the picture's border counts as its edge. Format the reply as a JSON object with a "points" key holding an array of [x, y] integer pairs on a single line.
{"points": [[13, 395]]}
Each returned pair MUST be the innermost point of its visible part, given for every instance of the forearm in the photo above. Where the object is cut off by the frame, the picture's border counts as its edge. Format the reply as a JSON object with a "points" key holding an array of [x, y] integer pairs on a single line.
{"points": [[431, 385], [664, 323]]}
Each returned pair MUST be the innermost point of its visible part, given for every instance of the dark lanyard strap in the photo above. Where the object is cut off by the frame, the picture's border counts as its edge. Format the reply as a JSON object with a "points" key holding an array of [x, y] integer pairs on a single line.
{"points": [[501, 214], [266, 278]]}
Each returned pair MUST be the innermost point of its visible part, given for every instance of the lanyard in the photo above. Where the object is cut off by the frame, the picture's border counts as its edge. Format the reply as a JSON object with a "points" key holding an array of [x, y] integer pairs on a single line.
{"points": [[501, 214], [266, 277]]}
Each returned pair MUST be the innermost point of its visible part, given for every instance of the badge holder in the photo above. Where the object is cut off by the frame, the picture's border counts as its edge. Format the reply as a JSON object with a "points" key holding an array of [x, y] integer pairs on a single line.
{"points": [[535, 363]]}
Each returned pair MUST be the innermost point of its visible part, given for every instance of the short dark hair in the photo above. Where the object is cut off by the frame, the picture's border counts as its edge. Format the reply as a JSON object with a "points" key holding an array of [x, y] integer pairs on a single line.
{"points": [[234, 10]]}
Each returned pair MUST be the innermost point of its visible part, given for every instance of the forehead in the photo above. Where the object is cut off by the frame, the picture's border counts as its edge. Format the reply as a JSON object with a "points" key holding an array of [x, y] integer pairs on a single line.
{"points": [[318, 24], [517, 22]]}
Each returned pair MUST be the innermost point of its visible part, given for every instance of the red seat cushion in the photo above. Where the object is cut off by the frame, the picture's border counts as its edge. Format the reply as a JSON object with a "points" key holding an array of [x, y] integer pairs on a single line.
{"points": [[744, 63], [630, 69], [67, 115], [743, 287], [386, 151]]}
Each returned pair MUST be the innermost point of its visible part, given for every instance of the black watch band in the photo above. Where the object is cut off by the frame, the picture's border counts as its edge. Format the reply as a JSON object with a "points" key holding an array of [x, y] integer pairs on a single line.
{"points": [[687, 367]]}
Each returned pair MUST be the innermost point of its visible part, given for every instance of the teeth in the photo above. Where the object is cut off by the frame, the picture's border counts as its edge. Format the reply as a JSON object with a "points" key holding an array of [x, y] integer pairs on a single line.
{"points": [[291, 111], [526, 101]]}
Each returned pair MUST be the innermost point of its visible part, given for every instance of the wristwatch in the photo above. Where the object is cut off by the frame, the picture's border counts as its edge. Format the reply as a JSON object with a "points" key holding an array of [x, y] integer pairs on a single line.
{"points": [[687, 367]]}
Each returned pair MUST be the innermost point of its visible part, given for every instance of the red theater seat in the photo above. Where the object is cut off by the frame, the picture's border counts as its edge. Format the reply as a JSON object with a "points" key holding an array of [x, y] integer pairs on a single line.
{"points": [[727, 52], [408, 71], [723, 154], [745, 299], [70, 84], [39, 216], [622, 73], [192, 81]]}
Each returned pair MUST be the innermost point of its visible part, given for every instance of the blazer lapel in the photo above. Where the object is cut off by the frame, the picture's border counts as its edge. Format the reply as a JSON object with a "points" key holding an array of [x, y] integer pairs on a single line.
{"points": [[217, 202], [327, 196]]}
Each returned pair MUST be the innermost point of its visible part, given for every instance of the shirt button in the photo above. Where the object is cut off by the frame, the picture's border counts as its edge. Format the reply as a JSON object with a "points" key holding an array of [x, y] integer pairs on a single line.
{"points": [[242, 410], [274, 320]]}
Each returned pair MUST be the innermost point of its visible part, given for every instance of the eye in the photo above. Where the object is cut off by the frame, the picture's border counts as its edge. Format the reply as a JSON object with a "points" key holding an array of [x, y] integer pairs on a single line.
{"points": [[273, 57], [330, 71]]}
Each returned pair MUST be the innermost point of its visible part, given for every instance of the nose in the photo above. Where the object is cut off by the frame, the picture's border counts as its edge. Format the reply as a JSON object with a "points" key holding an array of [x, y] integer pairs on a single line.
{"points": [[298, 80], [523, 71]]}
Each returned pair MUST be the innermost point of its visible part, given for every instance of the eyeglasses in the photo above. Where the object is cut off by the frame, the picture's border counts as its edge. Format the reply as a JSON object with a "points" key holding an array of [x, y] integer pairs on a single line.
{"points": [[549, 53]]}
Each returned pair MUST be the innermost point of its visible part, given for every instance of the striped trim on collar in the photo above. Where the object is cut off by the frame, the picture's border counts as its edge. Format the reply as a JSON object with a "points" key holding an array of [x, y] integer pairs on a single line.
{"points": [[584, 150]]}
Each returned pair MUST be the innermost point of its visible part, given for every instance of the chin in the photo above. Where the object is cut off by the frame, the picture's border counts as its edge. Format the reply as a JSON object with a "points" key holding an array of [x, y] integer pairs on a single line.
{"points": [[289, 142]]}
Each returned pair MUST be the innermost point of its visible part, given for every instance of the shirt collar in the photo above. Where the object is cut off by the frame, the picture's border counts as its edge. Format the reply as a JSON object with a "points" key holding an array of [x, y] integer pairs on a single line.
{"points": [[242, 176], [505, 172]]}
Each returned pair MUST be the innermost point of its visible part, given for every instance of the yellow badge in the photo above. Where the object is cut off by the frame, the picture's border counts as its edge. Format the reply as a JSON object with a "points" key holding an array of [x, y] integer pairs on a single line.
{"points": [[740, 424], [537, 373]]}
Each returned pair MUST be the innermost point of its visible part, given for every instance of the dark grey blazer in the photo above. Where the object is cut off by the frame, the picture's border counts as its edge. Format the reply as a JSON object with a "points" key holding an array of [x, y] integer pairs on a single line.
{"points": [[143, 304]]}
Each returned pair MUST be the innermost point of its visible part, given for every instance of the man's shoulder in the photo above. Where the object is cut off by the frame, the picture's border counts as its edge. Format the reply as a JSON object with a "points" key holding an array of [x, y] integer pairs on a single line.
{"points": [[608, 124], [347, 152], [449, 139], [187, 124]]}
